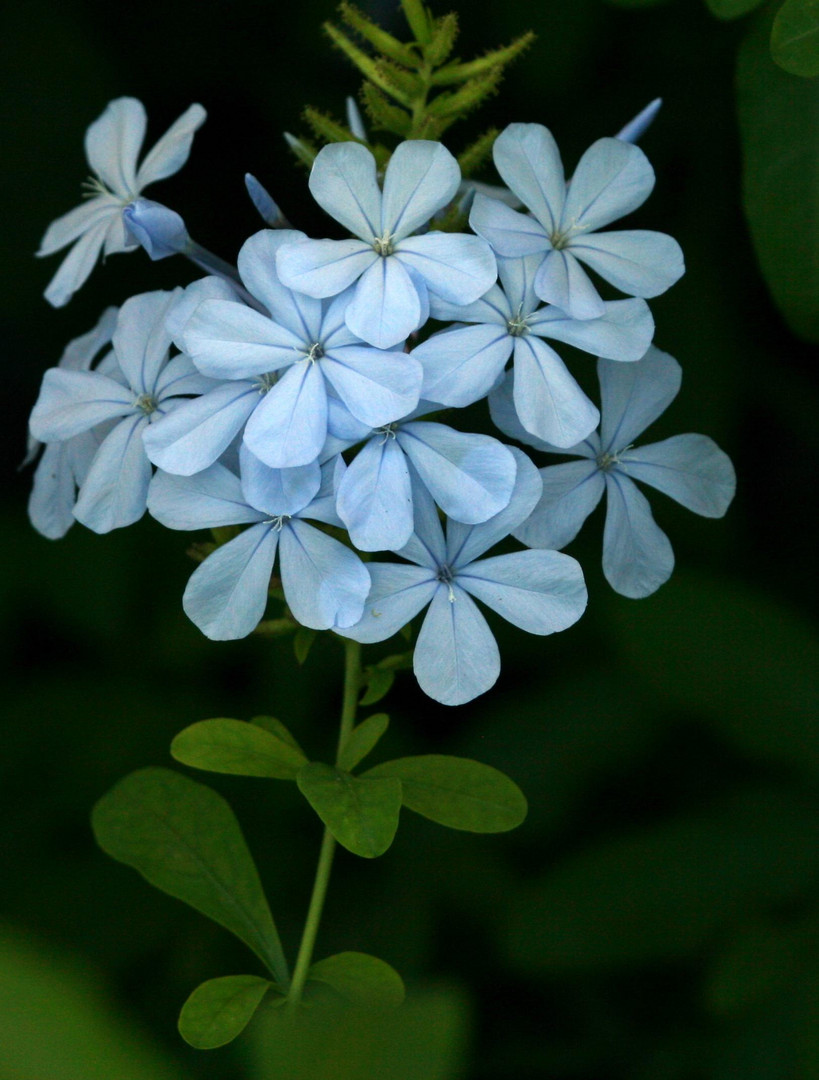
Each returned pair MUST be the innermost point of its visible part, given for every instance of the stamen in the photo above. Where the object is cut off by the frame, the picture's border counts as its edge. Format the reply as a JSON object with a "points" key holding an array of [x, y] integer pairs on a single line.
{"points": [[316, 352], [446, 577], [267, 382], [382, 245], [388, 431], [517, 326], [278, 522], [147, 403]]}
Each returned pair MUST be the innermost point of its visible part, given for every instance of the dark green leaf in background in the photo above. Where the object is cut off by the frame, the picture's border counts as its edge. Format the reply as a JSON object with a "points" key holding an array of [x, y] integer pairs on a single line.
{"points": [[731, 9], [360, 978], [220, 1009], [779, 125], [237, 748], [795, 37], [362, 814], [184, 839], [457, 792], [362, 739]]}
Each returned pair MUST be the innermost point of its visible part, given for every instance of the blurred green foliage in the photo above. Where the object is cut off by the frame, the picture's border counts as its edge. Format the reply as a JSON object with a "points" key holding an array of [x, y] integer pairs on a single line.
{"points": [[657, 915]]}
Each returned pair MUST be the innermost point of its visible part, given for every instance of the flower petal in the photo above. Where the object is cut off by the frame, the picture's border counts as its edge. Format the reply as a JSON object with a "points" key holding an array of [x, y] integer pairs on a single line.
{"points": [[75, 401], [636, 261], [228, 340], [455, 266], [510, 232], [278, 492], [422, 176], [562, 281], [289, 426], [505, 417], [323, 267], [208, 500], [77, 265], [227, 595], [385, 307], [624, 332], [528, 160], [113, 142], [637, 556], [171, 152], [54, 490], [542, 592], [375, 497], [548, 401], [570, 492], [299, 314], [691, 469], [611, 179], [141, 340], [343, 183], [377, 386], [82, 219], [113, 493], [462, 365], [634, 395], [325, 583], [456, 657], [397, 593]]}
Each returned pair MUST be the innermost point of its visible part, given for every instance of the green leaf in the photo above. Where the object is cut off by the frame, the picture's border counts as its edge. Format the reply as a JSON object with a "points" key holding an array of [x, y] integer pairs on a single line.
{"points": [[382, 114], [442, 41], [325, 127], [184, 838], [467, 97], [759, 963], [277, 728], [456, 792], [382, 41], [369, 68], [731, 9], [795, 37], [237, 748], [498, 58], [419, 20], [779, 125], [360, 978], [379, 683], [361, 814], [220, 1009], [362, 739]]}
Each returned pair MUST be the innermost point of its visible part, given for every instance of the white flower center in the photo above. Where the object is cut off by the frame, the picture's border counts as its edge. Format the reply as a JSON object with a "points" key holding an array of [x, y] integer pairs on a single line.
{"points": [[446, 576], [315, 352], [146, 403], [382, 245]]}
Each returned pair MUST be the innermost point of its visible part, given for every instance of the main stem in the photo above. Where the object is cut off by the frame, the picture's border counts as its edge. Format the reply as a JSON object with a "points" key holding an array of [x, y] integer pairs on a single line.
{"points": [[352, 682]]}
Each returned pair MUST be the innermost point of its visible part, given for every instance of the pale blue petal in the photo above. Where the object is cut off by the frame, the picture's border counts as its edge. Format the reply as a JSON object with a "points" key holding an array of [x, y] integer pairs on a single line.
{"points": [[462, 365], [562, 281], [342, 425], [171, 152], [230, 341], [78, 264], [637, 557], [376, 386], [518, 279], [207, 288], [325, 583], [375, 497], [343, 182], [426, 546], [79, 354], [354, 121], [636, 261], [192, 436], [689, 468], [492, 307], [634, 395], [528, 160], [113, 142], [113, 493], [510, 232], [455, 266], [322, 268], [505, 416], [181, 378], [624, 332], [471, 477], [141, 341], [299, 314], [542, 592], [100, 210], [465, 543], [570, 492], [54, 489], [264, 202], [323, 507], [278, 492], [398, 592], [208, 500], [227, 595], [611, 179], [75, 401], [385, 307], [422, 176], [548, 401], [456, 657], [334, 329], [289, 426]]}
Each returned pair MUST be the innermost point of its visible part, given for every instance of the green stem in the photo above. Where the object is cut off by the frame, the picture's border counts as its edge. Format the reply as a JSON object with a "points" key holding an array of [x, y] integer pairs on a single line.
{"points": [[352, 684]]}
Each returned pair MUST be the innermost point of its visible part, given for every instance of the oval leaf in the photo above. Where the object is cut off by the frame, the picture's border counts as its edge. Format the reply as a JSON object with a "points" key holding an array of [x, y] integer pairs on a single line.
{"points": [[220, 1009], [238, 748], [361, 814], [457, 792], [378, 684], [360, 978], [795, 37], [184, 838], [277, 728], [362, 739]]}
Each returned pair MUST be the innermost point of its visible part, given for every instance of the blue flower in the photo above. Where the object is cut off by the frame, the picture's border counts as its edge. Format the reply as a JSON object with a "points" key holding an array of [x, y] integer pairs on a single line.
{"points": [[637, 556], [281, 366], [143, 387], [462, 365], [612, 178], [393, 269], [325, 583], [112, 145], [456, 657]]}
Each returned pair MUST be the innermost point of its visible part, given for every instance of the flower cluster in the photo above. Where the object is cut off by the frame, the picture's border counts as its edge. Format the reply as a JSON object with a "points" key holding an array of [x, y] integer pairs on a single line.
{"points": [[297, 394]]}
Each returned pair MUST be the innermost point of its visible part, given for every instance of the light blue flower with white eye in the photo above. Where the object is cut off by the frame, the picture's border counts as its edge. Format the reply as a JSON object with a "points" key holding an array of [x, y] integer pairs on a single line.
{"points": [[691, 469], [63, 466], [112, 145], [461, 365], [279, 367], [456, 657], [393, 271], [144, 387], [612, 178], [325, 583], [471, 477]]}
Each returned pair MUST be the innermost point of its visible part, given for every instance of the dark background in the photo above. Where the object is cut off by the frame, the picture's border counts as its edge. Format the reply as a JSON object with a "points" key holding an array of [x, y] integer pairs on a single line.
{"points": [[658, 913]]}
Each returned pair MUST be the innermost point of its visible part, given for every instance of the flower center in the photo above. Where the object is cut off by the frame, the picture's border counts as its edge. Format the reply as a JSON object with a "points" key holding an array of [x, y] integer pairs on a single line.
{"points": [[517, 325], [382, 245], [279, 521], [559, 240], [315, 353], [446, 576], [267, 381], [388, 431], [146, 403], [608, 459]]}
